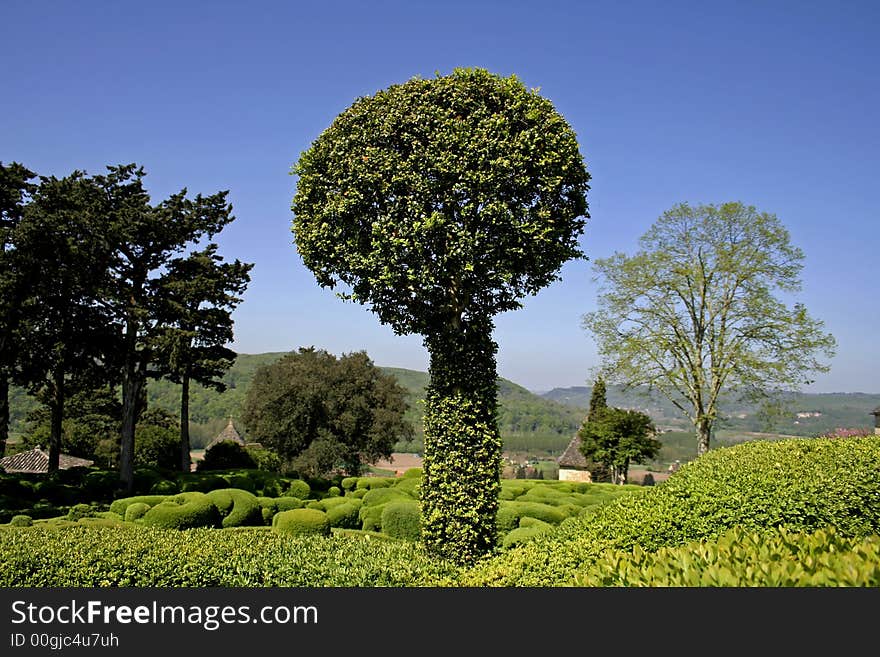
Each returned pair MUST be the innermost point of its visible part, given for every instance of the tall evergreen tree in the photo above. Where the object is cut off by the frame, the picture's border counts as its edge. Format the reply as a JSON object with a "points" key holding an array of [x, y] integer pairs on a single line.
{"points": [[61, 249], [598, 401], [15, 189], [145, 239], [197, 296]]}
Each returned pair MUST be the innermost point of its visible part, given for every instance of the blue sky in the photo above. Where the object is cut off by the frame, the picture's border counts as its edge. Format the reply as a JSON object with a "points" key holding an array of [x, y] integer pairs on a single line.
{"points": [[770, 103]]}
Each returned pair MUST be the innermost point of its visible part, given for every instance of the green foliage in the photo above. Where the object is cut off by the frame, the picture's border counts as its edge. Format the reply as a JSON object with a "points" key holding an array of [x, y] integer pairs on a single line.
{"points": [[409, 485], [349, 483], [121, 506], [522, 535], [615, 437], [301, 522], [165, 487], [298, 488], [287, 503], [80, 511], [202, 483], [183, 511], [226, 455], [157, 441], [598, 400], [699, 309], [334, 491], [345, 516], [136, 556], [801, 485], [369, 483], [379, 496], [238, 508], [402, 520], [135, 511], [322, 413], [21, 520], [738, 558]]}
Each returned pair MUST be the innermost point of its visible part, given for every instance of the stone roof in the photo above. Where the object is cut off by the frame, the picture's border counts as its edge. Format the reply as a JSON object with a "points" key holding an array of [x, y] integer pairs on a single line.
{"points": [[36, 461], [229, 433], [572, 457]]}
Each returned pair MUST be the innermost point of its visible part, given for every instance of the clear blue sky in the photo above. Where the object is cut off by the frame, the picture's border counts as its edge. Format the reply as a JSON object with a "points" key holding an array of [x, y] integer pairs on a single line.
{"points": [[771, 103]]}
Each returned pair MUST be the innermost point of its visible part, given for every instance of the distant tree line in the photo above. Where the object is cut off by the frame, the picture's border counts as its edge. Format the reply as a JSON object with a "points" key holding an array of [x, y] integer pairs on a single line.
{"points": [[101, 289]]}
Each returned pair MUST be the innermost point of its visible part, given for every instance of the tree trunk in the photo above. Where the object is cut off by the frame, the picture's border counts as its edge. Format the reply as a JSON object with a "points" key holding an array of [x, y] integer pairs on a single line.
{"points": [[56, 426], [704, 433], [184, 423], [4, 412], [132, 385], [462, 463]]}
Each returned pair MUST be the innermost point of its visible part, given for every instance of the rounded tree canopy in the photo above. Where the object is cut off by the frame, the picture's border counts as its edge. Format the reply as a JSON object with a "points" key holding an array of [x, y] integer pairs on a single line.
{"points": [[442, 200]]}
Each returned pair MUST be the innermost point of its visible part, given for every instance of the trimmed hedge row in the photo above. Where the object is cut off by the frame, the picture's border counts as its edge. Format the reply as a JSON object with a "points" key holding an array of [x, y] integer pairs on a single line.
{"points": [[799, 484], [132, 555], [777, 558]]}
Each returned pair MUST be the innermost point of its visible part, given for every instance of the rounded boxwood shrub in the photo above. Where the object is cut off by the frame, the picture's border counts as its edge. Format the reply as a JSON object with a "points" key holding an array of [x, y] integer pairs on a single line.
{"points": [[79, 511], [237, 507], [136, 511], [349, 483], [119, 506], [522, 535], [331, 502], [507, 518], [100, 484], [402, 520], [376, 496], [527, 521], [334, 491], [21, 520], [298, 488], [165, 487], [371, 517], [184, 511], [202, 483], [546, 512], [301, 522], [109, 515], [345, 516], [268, 508], [288, 503], [413, 472], [225, 455], [409, 485], [372, 483]]}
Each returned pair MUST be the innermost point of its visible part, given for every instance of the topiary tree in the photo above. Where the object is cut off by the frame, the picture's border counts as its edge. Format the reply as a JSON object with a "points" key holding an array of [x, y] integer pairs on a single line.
{"points": [[439, 203]]}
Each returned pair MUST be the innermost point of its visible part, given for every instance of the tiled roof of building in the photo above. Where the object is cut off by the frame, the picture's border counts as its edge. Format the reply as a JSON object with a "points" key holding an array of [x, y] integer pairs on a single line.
{"points": [[572, 457], [229, 433], [36, 461]]}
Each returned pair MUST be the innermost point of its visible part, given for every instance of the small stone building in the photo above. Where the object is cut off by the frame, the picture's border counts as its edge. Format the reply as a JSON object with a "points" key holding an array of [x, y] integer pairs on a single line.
{"points": [[36, 461], [573, 465], [229, 433]]}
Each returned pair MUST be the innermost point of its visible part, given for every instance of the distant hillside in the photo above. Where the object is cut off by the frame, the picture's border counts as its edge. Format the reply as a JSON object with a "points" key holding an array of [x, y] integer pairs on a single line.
{"points": [[805, 414], [527, 421]]}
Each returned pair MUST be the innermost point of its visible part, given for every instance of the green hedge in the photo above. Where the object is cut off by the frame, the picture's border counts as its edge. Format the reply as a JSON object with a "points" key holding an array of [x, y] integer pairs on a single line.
{"points": [[183, 511], [377, 496], [165, 487], [80, 511], [777, 558], [298, 488], [119, 506], [238, 508], [301, 522], [21, 521], [522, 535], [372, 483], [137, 556], [345, 516], [402, 520], [288, 503], [799, 484], [371, 517], [136, 511], [202, 483]]}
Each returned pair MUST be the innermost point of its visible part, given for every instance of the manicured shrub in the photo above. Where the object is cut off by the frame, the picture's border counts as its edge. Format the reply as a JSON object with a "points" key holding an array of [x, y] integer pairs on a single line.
{"points": [[402, 520], [288, 503], [301, 522], [21, 520], [371, 483], [776, 558], [507, 518], [349, 483], [545, 512], [523, 535], [184, 511], [409, 485], [165, 487], [359, 493], [371, 517], [378, 496], [344, 516], [109, 515], [528, 521], [298, 488], [238, 508], [268, 508], [202, 483], [331, 502], [800, 484], [79, 511], [100, 484], [413, 472], [120, 506], [144, 478], [334, 491]]}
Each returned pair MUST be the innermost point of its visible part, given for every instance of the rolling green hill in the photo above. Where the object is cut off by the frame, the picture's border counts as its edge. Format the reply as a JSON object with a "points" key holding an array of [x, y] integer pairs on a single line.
{"points": [[805, 414]]}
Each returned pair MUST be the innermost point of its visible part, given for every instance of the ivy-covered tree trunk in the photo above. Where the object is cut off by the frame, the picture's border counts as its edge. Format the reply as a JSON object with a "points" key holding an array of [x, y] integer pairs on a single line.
{"points": [[184, 422], [462, 464]]}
